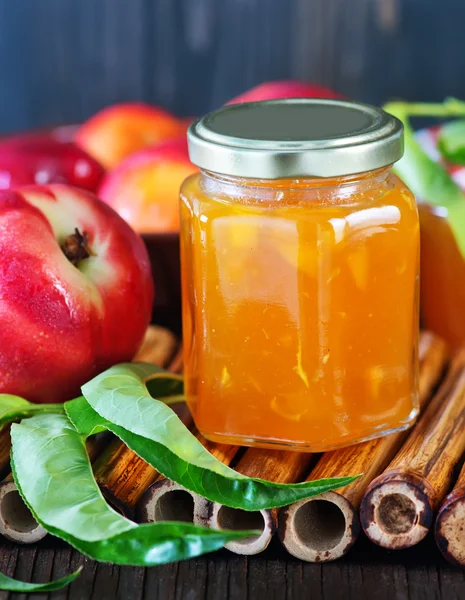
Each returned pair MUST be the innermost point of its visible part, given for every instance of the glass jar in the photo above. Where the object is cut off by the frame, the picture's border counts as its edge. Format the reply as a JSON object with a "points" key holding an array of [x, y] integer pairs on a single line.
{"points": [[300, 257]]}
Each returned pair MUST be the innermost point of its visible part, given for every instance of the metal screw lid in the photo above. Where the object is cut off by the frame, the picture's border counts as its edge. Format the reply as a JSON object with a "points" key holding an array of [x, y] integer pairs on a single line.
{"points": [[304, 137]]}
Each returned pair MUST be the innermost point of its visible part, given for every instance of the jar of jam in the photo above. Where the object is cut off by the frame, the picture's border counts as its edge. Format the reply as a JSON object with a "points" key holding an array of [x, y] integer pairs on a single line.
{"points": [[300, 258]]}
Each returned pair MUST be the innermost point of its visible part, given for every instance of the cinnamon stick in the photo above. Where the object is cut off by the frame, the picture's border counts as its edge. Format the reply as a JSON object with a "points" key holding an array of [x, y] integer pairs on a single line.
{"points": [[325, 527], [273, 465], [166, 500], [397, 509], [450, 524]]}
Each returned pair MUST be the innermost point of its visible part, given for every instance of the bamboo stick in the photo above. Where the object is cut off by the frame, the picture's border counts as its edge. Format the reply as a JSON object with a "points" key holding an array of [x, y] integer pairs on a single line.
{"points": [[397, 509], [324, 528], [121, 474], [5, 447], [16, 521], [166, 500], [158, 347], [273, 465], [177, 364], [450, 524], [122, 477]]}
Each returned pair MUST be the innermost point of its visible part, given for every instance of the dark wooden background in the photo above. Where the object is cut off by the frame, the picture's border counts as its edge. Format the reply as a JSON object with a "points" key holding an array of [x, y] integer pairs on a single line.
{"points": [[61, 60]]}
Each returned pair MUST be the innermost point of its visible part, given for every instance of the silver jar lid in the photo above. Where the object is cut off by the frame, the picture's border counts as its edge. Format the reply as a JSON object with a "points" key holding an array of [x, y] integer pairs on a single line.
{"points": [[304, 137]]}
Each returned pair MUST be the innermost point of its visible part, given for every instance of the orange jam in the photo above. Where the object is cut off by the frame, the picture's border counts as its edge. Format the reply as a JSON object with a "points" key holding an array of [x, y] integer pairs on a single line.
{"points": [[442, 277], [300, 308]]}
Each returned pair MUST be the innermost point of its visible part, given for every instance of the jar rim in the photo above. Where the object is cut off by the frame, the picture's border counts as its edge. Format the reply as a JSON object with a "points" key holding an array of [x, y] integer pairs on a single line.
{"points": [[299, 137]]}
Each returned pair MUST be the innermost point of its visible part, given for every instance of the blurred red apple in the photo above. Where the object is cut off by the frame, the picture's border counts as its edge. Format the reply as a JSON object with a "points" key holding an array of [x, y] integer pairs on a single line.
{"points": [[122, 129], [75, 291], [144, 189], [273, 90], [41, 159]]}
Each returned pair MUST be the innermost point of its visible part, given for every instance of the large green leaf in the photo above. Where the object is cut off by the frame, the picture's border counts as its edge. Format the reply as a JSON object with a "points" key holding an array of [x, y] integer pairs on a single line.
{"points": [[54, 476], [429, 180], [122, 399], [451, 142], [14, 585], [15, 408]]}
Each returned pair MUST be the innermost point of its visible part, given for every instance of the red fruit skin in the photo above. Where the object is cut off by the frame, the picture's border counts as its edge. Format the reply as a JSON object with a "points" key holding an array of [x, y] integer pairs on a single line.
{"points": [[144, 188], [273, 90], [118, 131], [61, 325], [41, 159]]}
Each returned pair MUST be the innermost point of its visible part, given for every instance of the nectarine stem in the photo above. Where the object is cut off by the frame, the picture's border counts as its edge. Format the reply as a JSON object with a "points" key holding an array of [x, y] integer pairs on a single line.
{"points": [[76, 247]]}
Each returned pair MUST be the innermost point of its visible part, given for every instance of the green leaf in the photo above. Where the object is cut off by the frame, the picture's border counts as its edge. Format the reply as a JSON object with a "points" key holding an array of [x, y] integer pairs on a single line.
{"points": [[52, 471], [14, 585], [428, 180], [451, 142], [121, 400], [14, 408]]}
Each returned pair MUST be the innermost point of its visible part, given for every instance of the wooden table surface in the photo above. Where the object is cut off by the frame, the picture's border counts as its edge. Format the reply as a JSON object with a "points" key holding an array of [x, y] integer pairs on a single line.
{"points": [[367, 573]]}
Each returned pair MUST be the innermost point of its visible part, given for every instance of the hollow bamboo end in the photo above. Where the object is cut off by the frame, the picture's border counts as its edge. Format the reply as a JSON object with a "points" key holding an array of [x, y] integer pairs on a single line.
{"points": [[16, 521], [319, 529], [166, 500], [118, 505], [396, 514], [450, 529], [265, 521]]}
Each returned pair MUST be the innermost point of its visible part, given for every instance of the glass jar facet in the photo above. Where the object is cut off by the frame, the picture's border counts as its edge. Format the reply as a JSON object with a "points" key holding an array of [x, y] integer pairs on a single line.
{"points": [[300, 308]]}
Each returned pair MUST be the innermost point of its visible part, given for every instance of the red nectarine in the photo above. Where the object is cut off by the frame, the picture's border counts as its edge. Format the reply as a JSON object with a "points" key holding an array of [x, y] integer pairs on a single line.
{"points": [[272, 90], [144, 189], [75, 291], [41, 159], [122, 129]]}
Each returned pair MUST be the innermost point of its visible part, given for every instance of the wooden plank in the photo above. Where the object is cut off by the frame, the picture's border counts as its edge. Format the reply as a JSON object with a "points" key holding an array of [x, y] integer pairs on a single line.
{"points": [[8, 559], [25, 565], [62, 61], [160, 582], [84, 585], [365, 573], [105, 582]]}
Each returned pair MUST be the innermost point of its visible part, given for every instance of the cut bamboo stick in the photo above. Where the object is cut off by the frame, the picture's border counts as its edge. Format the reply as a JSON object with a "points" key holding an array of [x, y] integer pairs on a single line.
{"points": [[325, 527], [16, 521], [123, 477], [121, 474], [397, 509], [158, 347], [450, 524], [273, 465], [166, 500], [177, 364], [5, 447]]}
